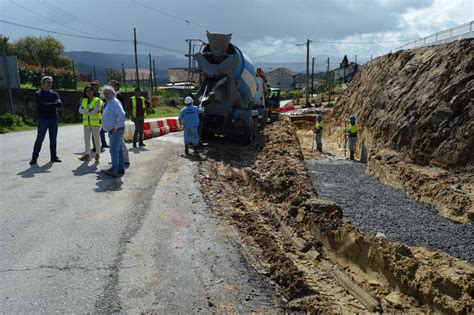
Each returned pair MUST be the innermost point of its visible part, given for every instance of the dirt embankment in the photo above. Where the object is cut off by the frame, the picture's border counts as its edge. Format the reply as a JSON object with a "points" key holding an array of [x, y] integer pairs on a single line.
{"points": [[415, 114], [320, 262]]}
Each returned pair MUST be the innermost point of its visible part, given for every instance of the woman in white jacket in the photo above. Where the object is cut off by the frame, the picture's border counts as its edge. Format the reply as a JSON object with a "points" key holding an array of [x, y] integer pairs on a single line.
{"points": [[90, 108]]}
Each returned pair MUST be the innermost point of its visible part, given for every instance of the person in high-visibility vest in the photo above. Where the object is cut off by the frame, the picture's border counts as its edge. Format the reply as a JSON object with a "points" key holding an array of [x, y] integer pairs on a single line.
{"points": [[90, 108], [137, 107], [351, 133], [95, 85], [318, 132]]}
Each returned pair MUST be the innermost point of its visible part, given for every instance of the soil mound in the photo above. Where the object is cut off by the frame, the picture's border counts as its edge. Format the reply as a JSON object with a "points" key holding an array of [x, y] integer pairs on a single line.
{"points": [[415, 108]]}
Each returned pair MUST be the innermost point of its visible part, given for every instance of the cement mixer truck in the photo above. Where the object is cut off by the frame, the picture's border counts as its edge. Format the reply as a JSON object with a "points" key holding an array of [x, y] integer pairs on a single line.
{"points": [[227, 91]]}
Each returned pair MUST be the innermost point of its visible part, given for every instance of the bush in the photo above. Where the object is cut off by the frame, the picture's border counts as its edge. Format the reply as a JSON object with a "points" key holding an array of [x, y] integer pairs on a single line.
{"points": [[62, 78], [10, 121]]}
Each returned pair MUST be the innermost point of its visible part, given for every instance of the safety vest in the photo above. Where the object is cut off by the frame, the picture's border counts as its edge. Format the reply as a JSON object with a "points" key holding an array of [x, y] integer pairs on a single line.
{"points": [[352, 129], [319, 126], [134, 106], [91, 120]]}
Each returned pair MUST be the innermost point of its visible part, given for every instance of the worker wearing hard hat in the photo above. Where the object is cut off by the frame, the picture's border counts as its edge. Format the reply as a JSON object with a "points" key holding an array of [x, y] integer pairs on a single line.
{"points": [[318, 132], [189, 119], [351, 133]]}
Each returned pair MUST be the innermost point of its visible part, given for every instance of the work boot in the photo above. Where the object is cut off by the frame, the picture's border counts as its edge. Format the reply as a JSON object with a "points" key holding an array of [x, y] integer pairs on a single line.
{"points": [[186, 149], [352, 155], [85, 157], [196, 152], [134, 144], [142, 144], [320, 148]]}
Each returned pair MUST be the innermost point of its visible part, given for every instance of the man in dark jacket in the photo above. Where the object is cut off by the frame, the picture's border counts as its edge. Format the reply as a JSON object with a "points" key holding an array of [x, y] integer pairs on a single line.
{"points": [[47, 102]]}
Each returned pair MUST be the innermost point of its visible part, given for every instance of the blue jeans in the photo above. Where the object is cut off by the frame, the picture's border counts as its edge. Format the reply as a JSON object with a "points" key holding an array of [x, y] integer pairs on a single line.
{"points": [[102, 137], [191, 135], [116, 150], [46, 124]]}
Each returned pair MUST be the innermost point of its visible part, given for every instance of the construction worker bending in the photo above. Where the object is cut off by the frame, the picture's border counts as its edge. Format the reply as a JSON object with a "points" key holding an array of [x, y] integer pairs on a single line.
{"points": [[318, 132], [351, 133], [189, 120]]}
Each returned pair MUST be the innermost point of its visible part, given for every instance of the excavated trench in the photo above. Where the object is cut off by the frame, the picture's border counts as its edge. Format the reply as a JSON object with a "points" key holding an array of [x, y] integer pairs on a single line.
{"points": [[319, 261], [375, 208]]}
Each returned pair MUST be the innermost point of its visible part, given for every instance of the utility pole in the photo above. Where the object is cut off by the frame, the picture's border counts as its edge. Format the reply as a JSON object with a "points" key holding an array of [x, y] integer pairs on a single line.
{"points": [[307, 72], [312, 78], [328, 82], [136, 57], [7, 77], [154, 75], [93, 71], [124, 79], [151, 76], [74, 78]]}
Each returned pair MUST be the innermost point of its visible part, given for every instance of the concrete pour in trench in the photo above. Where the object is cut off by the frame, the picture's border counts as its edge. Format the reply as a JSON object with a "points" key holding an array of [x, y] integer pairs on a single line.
{"points": [[374, 207]]}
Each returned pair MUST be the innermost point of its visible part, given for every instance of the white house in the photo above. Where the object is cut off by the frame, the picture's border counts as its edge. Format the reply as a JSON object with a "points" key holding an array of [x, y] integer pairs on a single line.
{"points": [[282, 78]]}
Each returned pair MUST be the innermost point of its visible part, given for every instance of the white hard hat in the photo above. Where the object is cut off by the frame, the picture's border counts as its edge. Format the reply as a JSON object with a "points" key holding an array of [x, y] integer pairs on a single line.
{"points": [[188, 100]]}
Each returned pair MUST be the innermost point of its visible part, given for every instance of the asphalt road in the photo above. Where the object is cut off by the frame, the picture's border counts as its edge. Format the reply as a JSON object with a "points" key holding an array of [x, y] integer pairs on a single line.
{"points": [[72, 241]]}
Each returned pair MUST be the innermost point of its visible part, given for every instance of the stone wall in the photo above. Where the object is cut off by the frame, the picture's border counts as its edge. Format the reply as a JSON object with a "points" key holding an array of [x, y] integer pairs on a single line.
{"points": [[24, 103]]}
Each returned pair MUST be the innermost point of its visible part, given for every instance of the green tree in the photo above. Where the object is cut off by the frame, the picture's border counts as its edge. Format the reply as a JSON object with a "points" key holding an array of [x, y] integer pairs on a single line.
{"points": [[44, 51], [4, 45], [114, 74]]}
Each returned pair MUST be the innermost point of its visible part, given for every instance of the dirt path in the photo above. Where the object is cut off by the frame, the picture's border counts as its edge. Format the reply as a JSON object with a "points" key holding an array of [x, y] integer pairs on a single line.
{"points": [[320, 262]]}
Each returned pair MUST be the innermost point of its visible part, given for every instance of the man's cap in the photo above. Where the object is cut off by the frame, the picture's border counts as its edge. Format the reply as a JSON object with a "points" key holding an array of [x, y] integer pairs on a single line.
{"points": [[188, 100], [95, 82]]}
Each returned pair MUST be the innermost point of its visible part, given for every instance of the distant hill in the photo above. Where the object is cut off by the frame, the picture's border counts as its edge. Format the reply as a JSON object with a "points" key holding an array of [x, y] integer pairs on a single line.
{"points": [[85, 60]]}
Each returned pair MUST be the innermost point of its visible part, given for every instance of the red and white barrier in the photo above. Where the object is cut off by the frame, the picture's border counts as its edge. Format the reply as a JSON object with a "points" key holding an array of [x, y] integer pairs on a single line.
{"points": [[153, 128]]}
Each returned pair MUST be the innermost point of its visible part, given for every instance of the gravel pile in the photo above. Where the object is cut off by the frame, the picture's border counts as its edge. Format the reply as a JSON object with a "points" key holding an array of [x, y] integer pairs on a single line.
{"points": [[374, 207]]}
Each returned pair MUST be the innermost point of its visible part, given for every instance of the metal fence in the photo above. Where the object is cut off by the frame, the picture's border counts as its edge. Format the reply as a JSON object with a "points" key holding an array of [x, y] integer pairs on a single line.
{"points": [[462, 31]]}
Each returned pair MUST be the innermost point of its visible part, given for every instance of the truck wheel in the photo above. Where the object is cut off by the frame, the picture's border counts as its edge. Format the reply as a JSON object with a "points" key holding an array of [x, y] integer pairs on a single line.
{"points": [[249, 136]]}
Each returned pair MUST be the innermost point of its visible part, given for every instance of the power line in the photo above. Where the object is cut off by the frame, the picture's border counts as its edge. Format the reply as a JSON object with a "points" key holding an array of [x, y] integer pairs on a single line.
{"points": [[93, 38], [362, 43], [187, 21], [278, 52], [48, 19], [80, 20], [65, 34]]}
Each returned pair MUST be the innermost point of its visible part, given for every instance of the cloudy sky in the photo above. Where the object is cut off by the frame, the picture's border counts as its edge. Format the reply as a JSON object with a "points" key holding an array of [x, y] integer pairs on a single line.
{"points": [[266, 30]]}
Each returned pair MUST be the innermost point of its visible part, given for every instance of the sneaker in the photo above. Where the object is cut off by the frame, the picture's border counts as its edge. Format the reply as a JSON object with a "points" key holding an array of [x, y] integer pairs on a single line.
{"points": [[56, 160], [142, 144], [33, 162]]}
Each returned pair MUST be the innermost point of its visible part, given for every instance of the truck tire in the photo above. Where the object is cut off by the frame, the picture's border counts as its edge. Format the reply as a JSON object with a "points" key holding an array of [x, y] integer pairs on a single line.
{"points": [[250, 134]]}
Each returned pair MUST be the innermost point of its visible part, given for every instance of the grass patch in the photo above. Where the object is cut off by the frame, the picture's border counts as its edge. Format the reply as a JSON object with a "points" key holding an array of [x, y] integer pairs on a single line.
{"points": [[163, 111], [10, 122]]}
